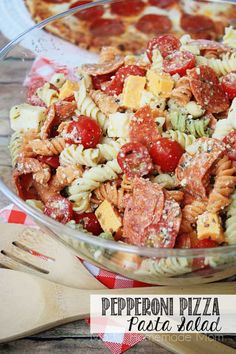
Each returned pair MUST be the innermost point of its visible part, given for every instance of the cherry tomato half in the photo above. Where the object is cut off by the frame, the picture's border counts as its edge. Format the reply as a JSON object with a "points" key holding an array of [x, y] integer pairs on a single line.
{"points": [[167, 44], [52, 161], [100, 79], [89, 222], [134, 160], [59, 208], [116, 85], [166, 154], [229, 84], [88, 14], [85, 131], [179, 62], [230, 141]]}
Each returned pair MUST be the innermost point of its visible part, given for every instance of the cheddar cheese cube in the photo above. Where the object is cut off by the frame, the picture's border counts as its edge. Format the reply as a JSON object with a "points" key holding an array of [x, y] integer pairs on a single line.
{"points": [[209, 226], [108, 218], [133, 88], [159, 83], [68, 89]]}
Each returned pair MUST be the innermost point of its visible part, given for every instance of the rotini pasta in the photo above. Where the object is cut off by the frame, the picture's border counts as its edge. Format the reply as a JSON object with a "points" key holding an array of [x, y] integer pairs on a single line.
{"points": [[190, 214], [185, 124], [76, 154], [49, 147], [106, 104], [87, 106], [183, 139], [220, 66], [112, 192], [80, 190], [15, 146], [165, 180], [167, 267], [182, 92], [224, 185]]}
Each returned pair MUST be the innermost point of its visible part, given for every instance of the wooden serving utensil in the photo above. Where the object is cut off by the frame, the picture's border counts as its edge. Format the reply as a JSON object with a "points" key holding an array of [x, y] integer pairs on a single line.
{"points": [[29, 304], [60, 265]]}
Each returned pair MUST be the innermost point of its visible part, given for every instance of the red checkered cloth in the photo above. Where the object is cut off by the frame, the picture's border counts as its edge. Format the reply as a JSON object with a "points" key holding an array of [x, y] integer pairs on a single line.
{"points": [[117, 343]]}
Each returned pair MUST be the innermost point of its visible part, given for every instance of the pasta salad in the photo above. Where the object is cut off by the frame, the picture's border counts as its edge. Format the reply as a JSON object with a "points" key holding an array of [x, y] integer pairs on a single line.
{"points": [[141, 149]]}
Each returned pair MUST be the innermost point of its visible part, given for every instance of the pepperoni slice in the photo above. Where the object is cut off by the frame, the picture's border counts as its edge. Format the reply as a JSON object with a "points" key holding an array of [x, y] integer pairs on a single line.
{"points": [[154, 24], [207, 90], [163, 234], [192, 169], [167, 43], [128, 7], [199, 26], [143, 208], [107, 27], [88, 14], [204, 44], [179, 62], [134, 160], [99, 80], [32, 97], [143, 128], [116, 85], [230, 141], [162, 3]]}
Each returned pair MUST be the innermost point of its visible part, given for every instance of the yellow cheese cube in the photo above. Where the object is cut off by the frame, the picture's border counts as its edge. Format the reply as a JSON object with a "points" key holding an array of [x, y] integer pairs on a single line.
{"points": [[68, 89], [133, 88], [209, 226], [108, 218], [160, 84]]}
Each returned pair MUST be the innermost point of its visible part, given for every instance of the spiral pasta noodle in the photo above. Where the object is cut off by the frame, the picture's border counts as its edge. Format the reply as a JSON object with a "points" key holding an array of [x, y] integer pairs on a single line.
{"points": [[80, 190], [220, 66], [109, 148], [177, 196], [126, 183], [224, 185], [230, 233], [112, 192], [190, 214], [165, 181], [48, 147], [15, 146], [182, 138], [184, 124], [106, 104], [168, 267], [182, 92], [87, 106], [76, 154]]}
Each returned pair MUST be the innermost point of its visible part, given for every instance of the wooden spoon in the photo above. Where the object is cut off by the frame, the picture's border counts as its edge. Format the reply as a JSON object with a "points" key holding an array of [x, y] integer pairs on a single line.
{"points": [[29, 304]]}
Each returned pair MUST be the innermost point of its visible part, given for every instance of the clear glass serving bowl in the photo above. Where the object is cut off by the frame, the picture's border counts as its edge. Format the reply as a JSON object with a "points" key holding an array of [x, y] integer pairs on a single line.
{"points": [[150, 265]]}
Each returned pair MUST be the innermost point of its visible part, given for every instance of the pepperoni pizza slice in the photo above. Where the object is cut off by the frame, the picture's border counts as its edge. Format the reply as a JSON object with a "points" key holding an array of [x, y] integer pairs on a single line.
{"points": [[130, 24]]}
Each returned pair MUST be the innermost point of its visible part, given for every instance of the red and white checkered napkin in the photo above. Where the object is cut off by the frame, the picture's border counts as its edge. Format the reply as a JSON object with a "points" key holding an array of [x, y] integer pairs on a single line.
{"points": [[117, 343]]}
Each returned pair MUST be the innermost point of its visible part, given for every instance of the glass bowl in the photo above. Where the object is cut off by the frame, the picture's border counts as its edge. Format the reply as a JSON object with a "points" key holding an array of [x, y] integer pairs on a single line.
{"points": [[149, 265]]}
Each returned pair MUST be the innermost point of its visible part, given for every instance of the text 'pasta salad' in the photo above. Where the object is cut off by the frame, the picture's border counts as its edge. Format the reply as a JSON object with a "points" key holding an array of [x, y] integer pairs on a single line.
{"points": [[141, 148]]}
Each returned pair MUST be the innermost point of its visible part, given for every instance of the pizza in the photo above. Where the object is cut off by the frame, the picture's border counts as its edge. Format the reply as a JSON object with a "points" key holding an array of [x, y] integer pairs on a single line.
{"points": [[129, 24]]}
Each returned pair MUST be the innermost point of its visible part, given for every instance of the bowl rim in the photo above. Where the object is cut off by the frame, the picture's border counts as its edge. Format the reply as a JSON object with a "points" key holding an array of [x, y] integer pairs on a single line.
{"points": [[77, 234]]}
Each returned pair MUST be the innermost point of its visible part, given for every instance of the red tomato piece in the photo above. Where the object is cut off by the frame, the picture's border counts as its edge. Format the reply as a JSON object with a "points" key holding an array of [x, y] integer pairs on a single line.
{"points": [[107, 27], [89, 222], [206, 89], [229, 84], [154, 24], [230, 141], [179, 62], [162, 3], [116, 85], [199, 26], [166, 154], [167, 44], [23, 184], [59, 208], [32, 98], [88, 14], [52, 161], [85, 131], [143, 128], [183, 241], [100, 79], [134, 160], [206, 243], [128, 7]]}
